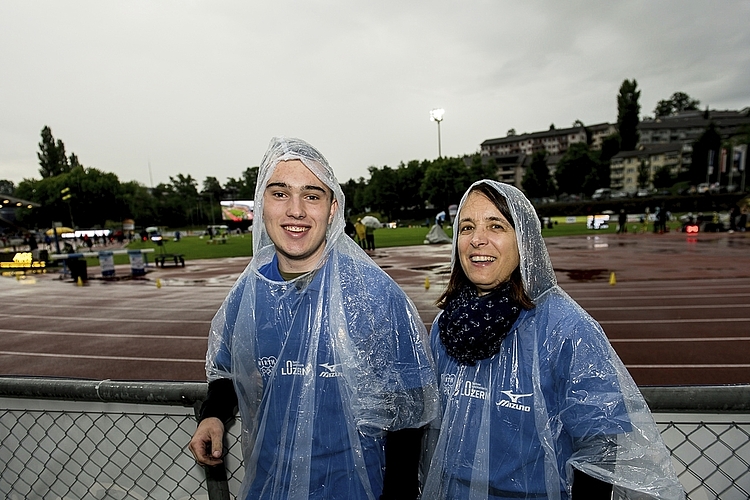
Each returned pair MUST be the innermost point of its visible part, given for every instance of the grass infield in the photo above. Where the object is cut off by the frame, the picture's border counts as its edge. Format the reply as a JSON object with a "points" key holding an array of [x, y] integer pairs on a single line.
{"points": [[196, 247]]}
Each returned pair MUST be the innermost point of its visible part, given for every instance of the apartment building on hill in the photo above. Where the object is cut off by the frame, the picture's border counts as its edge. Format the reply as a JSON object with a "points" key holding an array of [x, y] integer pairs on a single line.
{"points": [[625, 165], [513, 153], [686, 127], [665, 141]]}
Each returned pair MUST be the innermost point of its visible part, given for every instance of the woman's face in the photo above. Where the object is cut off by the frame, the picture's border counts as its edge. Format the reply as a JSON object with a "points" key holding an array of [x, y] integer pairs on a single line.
{"points": [[487, 246]]}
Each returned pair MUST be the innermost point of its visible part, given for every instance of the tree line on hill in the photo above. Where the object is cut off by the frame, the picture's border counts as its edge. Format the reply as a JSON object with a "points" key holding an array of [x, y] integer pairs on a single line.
{"points": [[93, 198]]}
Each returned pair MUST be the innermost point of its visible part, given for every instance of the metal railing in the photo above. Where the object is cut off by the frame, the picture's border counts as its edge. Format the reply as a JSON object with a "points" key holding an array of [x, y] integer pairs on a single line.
{"points": [[74, 439]]}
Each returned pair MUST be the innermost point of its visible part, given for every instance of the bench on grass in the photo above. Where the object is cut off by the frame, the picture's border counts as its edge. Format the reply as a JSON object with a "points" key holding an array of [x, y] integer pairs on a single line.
{"points": [[176, 259]]}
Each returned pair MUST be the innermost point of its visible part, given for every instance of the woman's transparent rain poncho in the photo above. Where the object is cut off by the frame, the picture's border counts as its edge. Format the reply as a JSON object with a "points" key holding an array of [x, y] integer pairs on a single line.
{"points": [[635, 460], [347, 306]]}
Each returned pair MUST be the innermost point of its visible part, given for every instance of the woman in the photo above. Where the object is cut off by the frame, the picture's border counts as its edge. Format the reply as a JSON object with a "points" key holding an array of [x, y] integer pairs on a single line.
{"points": [[535, 402]]}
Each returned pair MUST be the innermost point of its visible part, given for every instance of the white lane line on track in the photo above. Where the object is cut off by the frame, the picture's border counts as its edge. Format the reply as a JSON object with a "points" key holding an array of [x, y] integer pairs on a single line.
{"points": [[675, 286], [179, 306], [741, 282], [678, 339], [667, 321], [682, 367], [130, 320], [106, 335], [704, 296], [112, 358], [664, 308]]}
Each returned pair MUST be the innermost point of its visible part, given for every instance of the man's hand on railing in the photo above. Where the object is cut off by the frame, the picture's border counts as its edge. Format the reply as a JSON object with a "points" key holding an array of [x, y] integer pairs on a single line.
{"points": [[207, 444]]}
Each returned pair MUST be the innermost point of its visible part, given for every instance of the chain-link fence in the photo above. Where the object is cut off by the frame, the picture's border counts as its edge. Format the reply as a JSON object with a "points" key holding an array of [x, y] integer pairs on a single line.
{"points": [[72, 439]]}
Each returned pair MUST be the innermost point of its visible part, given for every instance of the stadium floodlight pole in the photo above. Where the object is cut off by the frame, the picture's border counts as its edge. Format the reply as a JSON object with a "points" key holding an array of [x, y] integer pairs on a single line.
{"points": [[436, 115]]}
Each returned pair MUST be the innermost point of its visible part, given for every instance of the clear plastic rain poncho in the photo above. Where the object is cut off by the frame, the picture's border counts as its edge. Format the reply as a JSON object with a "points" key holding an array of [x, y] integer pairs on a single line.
{"points": [[324, 364], [555, 397]]}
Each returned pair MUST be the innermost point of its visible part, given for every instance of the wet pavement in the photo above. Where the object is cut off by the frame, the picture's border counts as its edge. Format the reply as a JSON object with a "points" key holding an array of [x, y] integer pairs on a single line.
{"points": [[676, 308], [422, 271]]}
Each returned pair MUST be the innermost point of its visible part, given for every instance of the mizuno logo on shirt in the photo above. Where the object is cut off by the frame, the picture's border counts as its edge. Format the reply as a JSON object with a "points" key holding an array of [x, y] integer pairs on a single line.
{"points": [[329, 370], [512, 401]]}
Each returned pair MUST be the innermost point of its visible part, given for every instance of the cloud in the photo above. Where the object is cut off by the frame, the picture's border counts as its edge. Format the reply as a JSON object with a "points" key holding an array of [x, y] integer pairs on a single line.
{"points": [[199, 88]]}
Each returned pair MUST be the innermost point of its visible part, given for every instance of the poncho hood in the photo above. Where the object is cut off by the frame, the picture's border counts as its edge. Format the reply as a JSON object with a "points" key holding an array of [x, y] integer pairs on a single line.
{"points": [[536, 267]]}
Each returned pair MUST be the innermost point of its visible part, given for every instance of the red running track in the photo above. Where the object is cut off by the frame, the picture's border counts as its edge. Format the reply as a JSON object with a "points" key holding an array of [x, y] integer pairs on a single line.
{"points": [[677, 311]]}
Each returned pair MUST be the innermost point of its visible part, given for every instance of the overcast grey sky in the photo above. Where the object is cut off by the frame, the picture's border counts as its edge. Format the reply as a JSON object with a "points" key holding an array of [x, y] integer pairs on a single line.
{"points": [[200, 87]]}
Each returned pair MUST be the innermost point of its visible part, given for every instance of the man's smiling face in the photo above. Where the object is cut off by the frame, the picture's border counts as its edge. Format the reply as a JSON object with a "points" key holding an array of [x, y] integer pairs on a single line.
{"points": [[297, 208]]}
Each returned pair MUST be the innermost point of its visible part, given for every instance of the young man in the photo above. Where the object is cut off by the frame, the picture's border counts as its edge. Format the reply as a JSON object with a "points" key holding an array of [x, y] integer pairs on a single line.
{"points": [[323, 349]]}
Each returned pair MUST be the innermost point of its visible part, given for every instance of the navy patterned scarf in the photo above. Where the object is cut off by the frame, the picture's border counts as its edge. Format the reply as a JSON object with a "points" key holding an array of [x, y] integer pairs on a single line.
{"points": [[473, 327]]}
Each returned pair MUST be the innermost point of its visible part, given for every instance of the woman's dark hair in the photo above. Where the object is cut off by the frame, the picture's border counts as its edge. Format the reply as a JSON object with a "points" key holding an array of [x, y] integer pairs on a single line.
{"points": [[458, 277]]}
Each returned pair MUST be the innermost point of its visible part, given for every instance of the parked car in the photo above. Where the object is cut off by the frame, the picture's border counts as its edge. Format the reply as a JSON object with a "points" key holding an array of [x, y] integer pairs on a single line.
{"points": [[601, 194]]}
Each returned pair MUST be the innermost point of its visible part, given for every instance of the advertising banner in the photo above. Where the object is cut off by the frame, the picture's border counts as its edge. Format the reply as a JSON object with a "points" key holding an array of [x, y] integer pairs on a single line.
{"points": [[107, 263], [137, 267]]}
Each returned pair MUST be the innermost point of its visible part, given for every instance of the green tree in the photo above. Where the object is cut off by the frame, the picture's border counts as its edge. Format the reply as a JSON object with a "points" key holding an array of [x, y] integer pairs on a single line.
{"points": [[410, 177], [242, 188], [644, 175], [7, 187], [212, 186], [184, 199], [705, 153], [482, 167], [628, 110], [537, 181], [576, 171], [382, 191], [233, 187], [51, 155], [138, 204], [679, 101], [178, 203], [45, 192], [96, 196], [212, 194], [73, 162], [445, 181], [354, 196], [663, 178], [249, 182], [610, 147]]}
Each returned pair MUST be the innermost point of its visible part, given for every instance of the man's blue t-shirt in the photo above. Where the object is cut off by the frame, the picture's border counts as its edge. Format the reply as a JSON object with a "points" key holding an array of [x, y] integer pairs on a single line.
{"points": [[296, 366], [331, 474]]}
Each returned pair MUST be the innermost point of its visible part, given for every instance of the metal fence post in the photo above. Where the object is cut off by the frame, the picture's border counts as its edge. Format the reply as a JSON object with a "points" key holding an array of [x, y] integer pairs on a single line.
{"points": [[217, 484]]}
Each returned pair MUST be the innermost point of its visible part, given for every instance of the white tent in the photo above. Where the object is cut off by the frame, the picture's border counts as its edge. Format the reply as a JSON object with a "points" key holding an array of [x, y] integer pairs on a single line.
{"points": [[437, 235]]}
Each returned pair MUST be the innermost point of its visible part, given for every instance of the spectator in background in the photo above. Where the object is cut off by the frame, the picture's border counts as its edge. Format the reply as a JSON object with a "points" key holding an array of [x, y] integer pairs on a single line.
{"points": [[361, 231], [370, 238], [31, 240], [622, 222], [350, 230]]}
